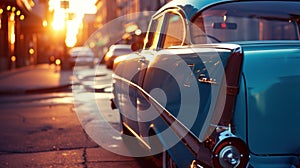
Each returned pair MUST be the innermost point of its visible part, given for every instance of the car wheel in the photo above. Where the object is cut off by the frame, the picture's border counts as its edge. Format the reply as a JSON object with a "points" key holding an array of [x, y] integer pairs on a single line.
{"points": [[167, 161]]}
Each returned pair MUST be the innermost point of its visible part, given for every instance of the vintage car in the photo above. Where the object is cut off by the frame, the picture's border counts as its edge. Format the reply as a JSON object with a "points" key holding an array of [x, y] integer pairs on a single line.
{"points": [[115, 51], [82, 56], [216, 84]]}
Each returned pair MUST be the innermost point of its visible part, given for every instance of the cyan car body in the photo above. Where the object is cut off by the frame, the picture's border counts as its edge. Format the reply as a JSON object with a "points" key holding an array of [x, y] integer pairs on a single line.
{"points": [[217, 84]]}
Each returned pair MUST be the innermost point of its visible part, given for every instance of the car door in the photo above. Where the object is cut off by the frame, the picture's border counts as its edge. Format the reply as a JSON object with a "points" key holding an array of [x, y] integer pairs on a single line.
{"points": [[126, 78], [133, 69], [170, 32], [151, 47]]}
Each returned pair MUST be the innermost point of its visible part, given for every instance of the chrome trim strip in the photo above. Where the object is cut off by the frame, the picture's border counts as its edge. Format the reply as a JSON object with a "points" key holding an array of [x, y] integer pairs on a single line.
{"points": [[137, 136]]}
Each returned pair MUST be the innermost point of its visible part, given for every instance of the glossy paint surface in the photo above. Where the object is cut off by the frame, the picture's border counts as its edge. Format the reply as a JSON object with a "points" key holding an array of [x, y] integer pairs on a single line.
{"points": [[272, 75]]}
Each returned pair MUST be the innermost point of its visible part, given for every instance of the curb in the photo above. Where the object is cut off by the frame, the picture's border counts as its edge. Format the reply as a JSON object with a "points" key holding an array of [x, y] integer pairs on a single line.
{"points": [[40, 90]]}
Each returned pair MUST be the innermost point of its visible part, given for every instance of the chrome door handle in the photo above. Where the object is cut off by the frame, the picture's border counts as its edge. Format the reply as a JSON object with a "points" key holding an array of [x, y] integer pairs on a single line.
{"points": [[142, 60]]}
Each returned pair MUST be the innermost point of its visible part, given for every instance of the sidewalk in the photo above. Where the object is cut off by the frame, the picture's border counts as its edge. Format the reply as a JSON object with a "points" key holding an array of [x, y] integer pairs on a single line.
{"points": [[36, 78]]}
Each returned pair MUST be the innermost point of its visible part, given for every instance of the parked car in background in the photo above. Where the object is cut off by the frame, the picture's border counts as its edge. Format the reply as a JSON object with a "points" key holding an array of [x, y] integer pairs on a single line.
{"points": [[115, 51], [82, 56], [216, 84]]}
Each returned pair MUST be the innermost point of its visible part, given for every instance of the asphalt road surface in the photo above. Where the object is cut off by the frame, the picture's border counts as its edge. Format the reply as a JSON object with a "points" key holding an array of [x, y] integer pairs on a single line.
{"points": [[58, 129]]}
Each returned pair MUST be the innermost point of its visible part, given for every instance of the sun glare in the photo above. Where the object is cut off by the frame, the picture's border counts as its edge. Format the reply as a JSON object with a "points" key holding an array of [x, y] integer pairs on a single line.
{"points": [[77, 9], [58, 21]]}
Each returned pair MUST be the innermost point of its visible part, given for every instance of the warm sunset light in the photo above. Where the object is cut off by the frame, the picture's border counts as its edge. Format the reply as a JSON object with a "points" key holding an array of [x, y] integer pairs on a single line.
{"points": [[58, 21], [70, 17], [45, 23], [31, 51], [13, 58]]}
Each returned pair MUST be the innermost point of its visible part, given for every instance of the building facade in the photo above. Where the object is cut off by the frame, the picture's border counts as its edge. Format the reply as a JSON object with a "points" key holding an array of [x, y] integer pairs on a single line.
{"points": [[19, 33], [125, 19]]}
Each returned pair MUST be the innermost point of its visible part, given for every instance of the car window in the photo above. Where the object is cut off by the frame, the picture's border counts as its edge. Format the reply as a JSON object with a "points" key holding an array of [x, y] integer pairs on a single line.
{"points": [[247, 21], [174, 33], [153, 36]]}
